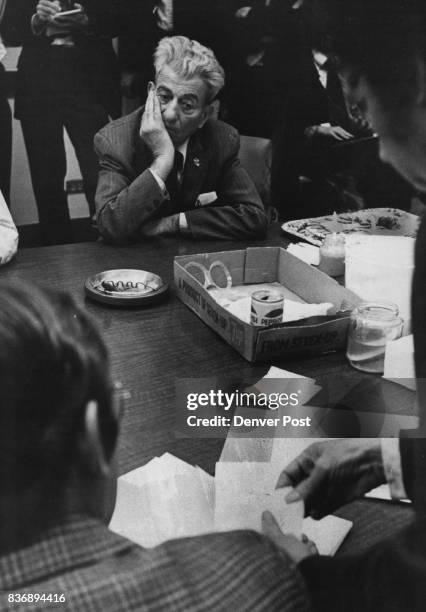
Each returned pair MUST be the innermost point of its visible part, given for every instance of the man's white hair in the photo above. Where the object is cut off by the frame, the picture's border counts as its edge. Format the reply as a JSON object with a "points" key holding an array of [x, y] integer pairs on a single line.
{"points": [[189, 59]]}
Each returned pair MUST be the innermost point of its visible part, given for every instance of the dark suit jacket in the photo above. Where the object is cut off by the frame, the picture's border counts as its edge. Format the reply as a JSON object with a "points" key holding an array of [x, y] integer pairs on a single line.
{"points": [[202, 20], [391, 576], [91, 66], [128, 195], [99, 571]]}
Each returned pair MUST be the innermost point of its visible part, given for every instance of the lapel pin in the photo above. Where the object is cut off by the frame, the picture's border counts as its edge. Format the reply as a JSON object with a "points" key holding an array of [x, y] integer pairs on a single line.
{"points": [[197, 162]]}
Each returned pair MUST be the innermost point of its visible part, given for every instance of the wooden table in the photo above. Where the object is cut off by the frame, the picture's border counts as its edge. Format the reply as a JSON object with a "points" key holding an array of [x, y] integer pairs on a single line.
{"points": [[151, 348]]}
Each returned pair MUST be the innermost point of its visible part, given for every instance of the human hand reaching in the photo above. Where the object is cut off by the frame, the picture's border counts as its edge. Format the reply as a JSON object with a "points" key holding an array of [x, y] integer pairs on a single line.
{"points": [[328, 474], [334, 132]]}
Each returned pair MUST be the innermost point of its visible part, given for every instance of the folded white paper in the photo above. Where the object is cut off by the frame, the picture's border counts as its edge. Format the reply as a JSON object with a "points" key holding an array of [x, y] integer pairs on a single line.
{"points": [[306, 252], [8, 233], [328, 533], [399, 362], [165, 499], [244, 491]]}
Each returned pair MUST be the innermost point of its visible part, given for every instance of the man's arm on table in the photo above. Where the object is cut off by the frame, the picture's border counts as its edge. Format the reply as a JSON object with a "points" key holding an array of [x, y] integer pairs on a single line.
{"points": [[123, 205], [238, 212], [126, 207]]}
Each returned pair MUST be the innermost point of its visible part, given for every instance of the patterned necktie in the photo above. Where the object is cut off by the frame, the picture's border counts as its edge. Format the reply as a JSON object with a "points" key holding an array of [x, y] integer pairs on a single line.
{"points": [[174, 180]]}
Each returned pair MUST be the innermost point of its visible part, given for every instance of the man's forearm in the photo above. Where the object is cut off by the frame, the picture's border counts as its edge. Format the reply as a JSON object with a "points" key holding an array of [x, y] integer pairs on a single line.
{"points": [[228, 221], [121, 212]]}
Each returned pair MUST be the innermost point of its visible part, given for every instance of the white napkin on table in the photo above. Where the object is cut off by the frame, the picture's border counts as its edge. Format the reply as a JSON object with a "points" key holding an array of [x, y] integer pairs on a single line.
{"points": [[8, 233], [399, 362]]}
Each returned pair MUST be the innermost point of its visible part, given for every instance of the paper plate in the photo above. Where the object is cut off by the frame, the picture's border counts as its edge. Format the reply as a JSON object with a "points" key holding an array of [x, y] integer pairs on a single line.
{"points": [[373, 221], [126, 287]]}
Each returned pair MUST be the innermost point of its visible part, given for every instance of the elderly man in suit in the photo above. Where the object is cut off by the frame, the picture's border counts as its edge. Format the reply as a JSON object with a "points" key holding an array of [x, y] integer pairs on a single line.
{"points": [[168, 167]]}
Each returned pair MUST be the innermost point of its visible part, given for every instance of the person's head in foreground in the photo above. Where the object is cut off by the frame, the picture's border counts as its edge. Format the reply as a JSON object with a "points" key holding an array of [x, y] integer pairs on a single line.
{"points": [[188, 78], [58, 421], [380, 48]]}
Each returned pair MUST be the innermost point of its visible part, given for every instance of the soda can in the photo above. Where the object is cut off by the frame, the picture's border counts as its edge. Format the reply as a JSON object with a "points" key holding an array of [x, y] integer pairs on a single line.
{"points": [[267, 308]]}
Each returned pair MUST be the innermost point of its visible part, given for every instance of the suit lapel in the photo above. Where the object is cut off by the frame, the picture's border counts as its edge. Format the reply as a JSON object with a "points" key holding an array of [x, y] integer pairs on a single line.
{"points": [[195, 171]]}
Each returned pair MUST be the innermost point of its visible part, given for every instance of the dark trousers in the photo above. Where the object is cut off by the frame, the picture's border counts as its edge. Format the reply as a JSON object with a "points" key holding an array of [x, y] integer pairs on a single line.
{"points": [[44, 140]]}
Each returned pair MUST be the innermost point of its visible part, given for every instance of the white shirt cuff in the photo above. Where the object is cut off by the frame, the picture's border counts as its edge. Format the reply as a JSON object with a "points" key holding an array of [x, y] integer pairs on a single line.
{"points": [[392, 466], [160, 182], [183, 223]]}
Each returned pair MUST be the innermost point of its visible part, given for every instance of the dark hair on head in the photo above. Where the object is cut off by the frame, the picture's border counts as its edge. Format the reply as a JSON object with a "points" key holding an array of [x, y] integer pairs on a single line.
{"points": [[381, 40], [52, 362]]}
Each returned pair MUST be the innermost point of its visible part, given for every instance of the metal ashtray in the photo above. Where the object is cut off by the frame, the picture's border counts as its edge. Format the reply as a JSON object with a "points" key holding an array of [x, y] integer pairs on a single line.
{"points": [[126, 287]]}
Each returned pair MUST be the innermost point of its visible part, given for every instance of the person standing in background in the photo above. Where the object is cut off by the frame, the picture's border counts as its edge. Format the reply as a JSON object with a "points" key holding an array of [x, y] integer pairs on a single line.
{"points": [[67, 78], [203, 20]]}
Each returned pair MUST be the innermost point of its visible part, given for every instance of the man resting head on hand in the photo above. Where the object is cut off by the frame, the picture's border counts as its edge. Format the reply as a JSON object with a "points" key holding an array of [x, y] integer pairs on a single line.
{"points": [[168, 167]]}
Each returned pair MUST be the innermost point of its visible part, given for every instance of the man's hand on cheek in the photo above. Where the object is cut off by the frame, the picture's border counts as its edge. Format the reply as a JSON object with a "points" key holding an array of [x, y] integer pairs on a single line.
{"points": [[155, 136]]}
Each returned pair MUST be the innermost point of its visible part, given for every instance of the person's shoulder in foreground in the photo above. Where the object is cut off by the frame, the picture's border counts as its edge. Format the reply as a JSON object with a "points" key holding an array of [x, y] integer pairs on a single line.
{"points": [[143, 191], [90, 568], [59, 427]]}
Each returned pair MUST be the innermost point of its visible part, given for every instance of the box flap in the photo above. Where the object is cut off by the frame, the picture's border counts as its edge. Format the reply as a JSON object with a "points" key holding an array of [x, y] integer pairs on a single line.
{"points": [[261, 265], [311, 284]]}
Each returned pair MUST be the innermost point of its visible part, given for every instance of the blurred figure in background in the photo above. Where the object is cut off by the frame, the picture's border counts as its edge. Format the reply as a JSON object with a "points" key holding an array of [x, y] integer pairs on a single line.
{"points": [[326, 139], [67, 78], [264, 63], [202, 20]]}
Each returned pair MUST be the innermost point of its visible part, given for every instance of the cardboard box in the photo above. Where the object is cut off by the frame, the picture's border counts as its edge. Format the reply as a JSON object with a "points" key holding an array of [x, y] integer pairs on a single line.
{"points": [[266, 265]]}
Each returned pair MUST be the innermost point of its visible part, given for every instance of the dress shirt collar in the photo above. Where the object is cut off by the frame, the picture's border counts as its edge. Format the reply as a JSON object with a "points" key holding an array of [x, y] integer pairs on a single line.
{"points": [[320, 59]]}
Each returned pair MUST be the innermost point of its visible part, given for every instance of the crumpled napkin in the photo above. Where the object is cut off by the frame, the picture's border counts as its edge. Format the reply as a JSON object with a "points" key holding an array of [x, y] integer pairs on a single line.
{"points": [[8, 233], [237, 301]]}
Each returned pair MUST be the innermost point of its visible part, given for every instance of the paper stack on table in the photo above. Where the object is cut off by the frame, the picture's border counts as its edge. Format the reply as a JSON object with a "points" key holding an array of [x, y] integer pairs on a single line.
{"points": [[166, 498], [244, 491]]}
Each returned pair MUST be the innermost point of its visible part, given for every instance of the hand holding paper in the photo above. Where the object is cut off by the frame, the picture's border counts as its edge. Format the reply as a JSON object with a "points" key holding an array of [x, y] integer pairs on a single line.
{"points": [[327, 475]]}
